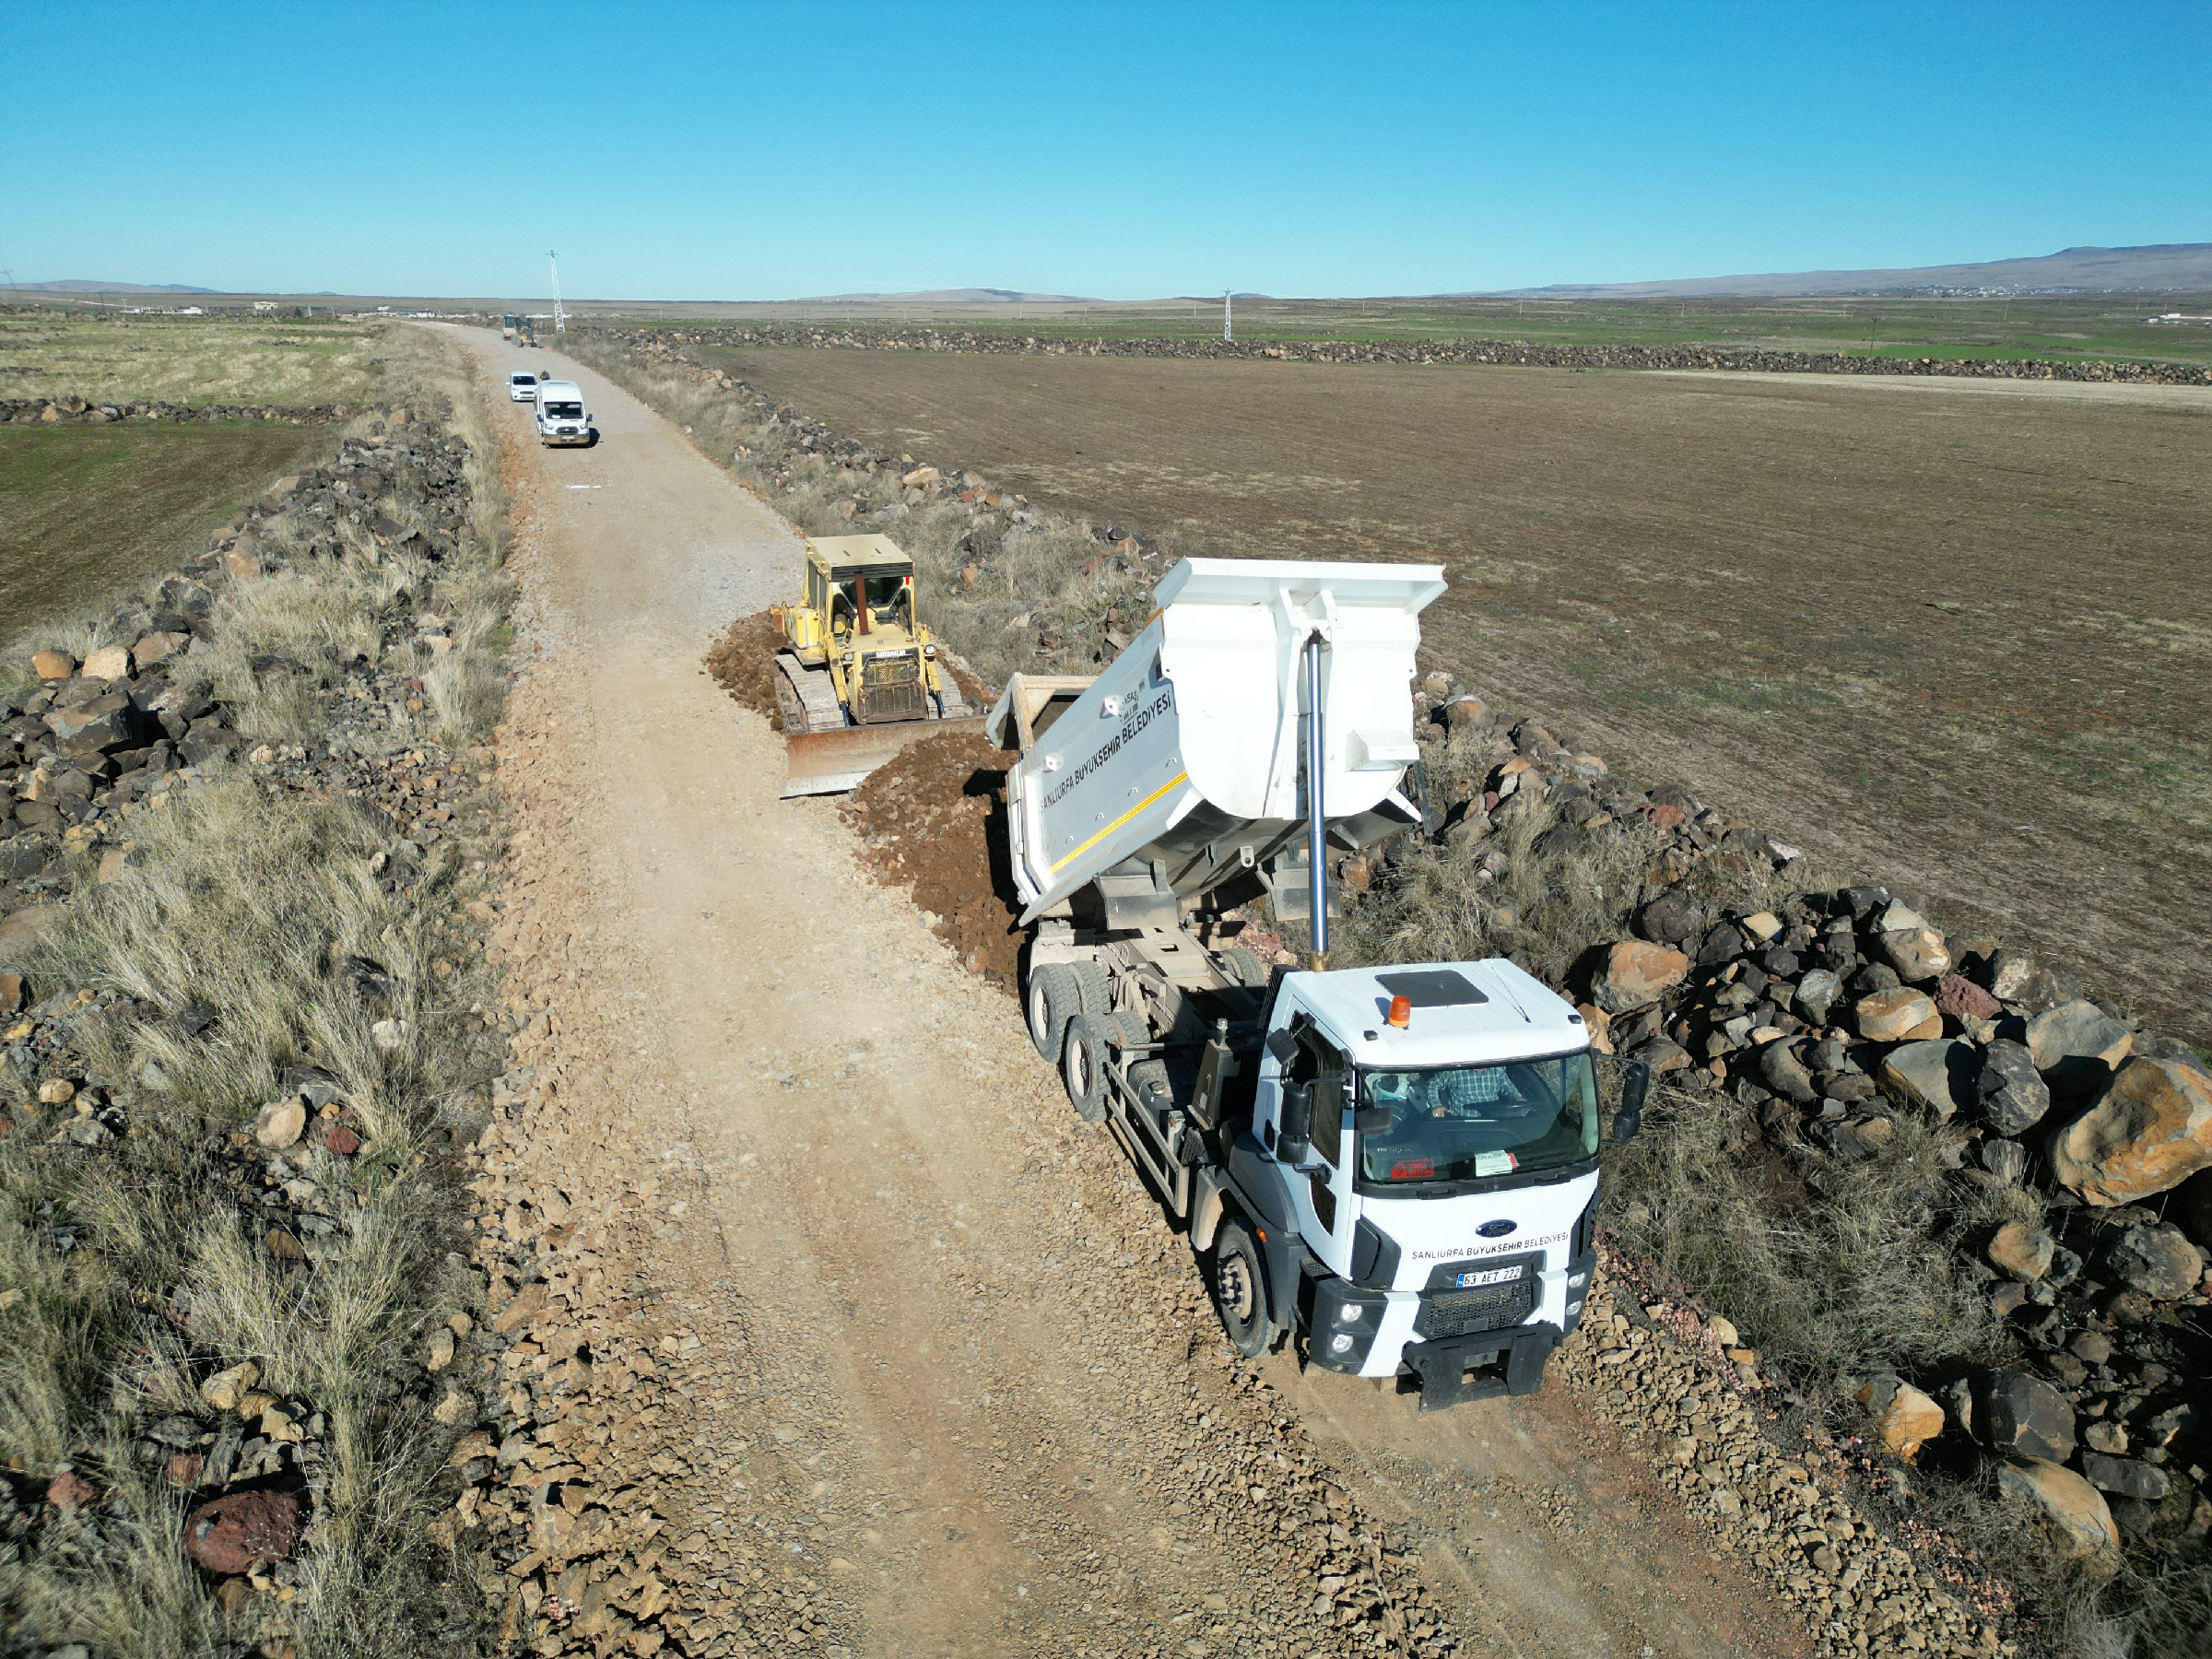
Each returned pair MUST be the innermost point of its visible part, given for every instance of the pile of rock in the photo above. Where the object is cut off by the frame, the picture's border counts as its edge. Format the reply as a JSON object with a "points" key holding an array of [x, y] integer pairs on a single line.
{"points": [[1706, 1422], [1423, 352], [91, 742], [73, 410], [86, 751], [1840, 1010], [1831, 1013]]}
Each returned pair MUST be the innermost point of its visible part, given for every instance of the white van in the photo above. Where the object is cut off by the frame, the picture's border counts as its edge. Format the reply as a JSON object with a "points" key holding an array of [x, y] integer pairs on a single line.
{"points": [[561, 416], [523, 387]]}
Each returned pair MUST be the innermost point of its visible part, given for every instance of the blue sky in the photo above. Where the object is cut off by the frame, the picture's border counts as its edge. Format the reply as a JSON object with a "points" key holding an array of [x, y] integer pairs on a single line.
{"points": [[740, 151]]}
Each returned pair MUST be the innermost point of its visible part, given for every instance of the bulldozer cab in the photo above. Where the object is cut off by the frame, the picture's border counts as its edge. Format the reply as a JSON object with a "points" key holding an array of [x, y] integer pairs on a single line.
{"points": [[863, 598], [860, 596]]}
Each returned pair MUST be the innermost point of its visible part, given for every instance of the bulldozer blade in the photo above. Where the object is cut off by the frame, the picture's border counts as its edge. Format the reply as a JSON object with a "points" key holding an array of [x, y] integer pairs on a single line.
{"points": [[833, 763]]}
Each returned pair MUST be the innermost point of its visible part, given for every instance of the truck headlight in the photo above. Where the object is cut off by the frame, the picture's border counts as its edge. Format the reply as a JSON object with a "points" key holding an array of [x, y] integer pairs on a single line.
{"points": [[1576, 1280], [1341, 1342], [1348, 1312]]}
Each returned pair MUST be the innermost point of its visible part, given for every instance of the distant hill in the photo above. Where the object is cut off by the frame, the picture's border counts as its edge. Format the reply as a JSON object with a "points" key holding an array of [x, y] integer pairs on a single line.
{"points": [[78, 286], [2162, 267], [966, 296]]}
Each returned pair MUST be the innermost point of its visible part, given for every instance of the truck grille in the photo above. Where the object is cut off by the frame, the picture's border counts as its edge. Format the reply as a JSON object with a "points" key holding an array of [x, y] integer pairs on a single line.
{"points": [[891, 688], [1448, 1313]]}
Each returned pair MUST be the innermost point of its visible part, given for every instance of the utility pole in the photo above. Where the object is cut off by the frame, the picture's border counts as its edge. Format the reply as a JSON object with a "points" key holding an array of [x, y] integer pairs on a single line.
{"points": [[1228, 328], [560, 320]]}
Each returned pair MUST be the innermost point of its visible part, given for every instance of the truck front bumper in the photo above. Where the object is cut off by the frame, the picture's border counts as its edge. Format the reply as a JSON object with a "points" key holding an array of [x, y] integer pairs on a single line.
{"points": [[1482, 1367]]}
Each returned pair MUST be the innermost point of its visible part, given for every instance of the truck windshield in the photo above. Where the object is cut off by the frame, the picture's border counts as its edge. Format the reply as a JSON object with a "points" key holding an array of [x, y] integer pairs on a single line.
{"points": [[1464, 1123], [564, 411]]}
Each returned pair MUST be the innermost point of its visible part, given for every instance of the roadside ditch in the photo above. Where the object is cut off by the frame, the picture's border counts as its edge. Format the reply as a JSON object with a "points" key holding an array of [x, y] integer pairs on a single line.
{"points": [[1956, 1210]]}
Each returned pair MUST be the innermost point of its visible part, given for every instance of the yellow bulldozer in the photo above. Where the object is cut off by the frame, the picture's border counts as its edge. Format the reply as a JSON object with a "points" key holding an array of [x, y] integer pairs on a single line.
{"points": [[858, 676]]}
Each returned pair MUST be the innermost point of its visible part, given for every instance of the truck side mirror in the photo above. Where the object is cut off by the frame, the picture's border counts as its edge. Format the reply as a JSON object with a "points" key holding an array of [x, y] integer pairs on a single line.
{"points": [[1282, 1045], [1635, 1084], [1294, 1121]]}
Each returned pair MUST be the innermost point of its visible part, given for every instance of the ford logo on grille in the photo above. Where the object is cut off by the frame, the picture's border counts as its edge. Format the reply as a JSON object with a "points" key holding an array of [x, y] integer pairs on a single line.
{"points": [[1496, 1229]]}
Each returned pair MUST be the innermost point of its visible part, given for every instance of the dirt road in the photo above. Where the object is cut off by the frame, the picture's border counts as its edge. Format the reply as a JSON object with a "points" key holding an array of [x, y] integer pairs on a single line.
{"points": [[927, 1373]]}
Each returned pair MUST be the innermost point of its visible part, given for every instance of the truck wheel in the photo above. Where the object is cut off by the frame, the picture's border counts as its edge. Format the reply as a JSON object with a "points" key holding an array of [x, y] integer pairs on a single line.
{"points": [[1239, 1285], [1083, 1061], [1246, 966], [1052, 999], [1093, 987]]}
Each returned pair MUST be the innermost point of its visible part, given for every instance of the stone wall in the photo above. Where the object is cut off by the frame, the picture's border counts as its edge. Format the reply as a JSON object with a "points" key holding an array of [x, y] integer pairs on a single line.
{"points": [[664, 341]]}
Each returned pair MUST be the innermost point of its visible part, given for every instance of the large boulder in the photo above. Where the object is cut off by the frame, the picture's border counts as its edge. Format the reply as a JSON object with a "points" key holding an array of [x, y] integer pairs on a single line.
{"points": [[101, 727], [1786, 1074], [1672, 918], [1636, 974], [2025, 1417], [108, 662], [1908, 944], [2077, 1046], [2022, 1252], [1816, 994], [1936, 1075], [1898, 1014], [1904, 1418], [2076, 1510], [2157, 1261], [1962, 999], [2013, 1096], [2126, 1476], [2149, 1130]]}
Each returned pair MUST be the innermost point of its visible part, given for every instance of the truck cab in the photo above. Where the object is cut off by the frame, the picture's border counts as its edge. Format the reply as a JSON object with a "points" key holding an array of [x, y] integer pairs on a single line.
{"points": [[1424, 1141]]}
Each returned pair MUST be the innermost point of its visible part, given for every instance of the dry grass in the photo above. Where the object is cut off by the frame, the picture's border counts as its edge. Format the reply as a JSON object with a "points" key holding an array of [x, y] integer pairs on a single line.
{"points": [[245, 901], [1832, 1268], [262, 360]]}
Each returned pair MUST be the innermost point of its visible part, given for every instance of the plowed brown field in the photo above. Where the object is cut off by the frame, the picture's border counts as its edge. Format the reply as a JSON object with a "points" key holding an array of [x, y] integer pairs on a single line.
{"points": [[1953, 635]]}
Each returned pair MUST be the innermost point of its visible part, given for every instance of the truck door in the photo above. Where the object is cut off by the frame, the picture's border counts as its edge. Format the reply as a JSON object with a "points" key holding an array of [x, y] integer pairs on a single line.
{"points": [[1322, 1196]]}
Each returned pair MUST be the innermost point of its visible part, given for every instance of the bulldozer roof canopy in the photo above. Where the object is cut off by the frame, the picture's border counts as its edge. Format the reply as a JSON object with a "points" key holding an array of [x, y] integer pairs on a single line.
{"points": [[846, 555]]}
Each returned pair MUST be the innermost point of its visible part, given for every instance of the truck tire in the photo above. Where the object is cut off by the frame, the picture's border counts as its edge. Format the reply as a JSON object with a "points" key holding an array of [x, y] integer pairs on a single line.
{"points": [[1085, 1054], [1239, 1281], [1050, 1000], [1093, 987], [1128, 1030], [1246, 966]]}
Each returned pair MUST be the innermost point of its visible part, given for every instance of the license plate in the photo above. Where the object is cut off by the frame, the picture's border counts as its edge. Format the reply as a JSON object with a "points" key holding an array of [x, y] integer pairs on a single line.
{"points": [[1486, 1276]]}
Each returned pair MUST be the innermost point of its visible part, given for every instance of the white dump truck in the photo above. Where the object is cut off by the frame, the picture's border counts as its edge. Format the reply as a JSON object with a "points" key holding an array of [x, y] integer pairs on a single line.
{"points": [[1397, 1164]]}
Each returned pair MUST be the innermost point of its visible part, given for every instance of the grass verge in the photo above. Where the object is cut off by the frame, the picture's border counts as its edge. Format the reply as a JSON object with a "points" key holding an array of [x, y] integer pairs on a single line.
{"points": [[231, 1220]]}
